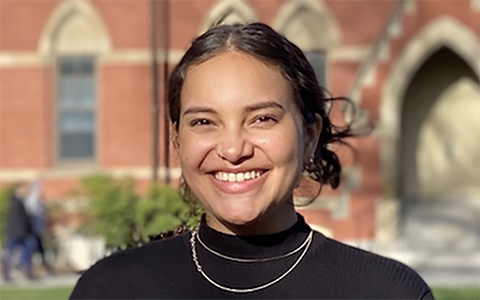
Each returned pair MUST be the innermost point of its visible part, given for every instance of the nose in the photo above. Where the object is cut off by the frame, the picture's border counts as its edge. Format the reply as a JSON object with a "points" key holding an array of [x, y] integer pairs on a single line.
{"points": [[234, 147]]}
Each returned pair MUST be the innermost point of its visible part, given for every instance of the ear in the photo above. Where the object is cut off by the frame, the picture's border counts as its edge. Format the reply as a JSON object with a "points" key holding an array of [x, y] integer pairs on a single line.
{"points": [[174, 136], [312, 135]]}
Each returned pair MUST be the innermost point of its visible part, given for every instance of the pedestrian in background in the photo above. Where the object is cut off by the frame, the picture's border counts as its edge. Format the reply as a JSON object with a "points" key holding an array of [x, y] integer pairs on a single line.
{"points": [[37, 212], [19, 233]]}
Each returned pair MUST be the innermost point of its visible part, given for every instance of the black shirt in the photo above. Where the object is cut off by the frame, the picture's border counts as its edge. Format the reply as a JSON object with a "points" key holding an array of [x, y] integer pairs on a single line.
{"points": [[18, 223], [329, 270]]}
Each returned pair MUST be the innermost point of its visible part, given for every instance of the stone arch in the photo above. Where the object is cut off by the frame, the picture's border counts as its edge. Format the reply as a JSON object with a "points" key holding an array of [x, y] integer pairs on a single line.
{"points": [[229, 12], [447, 172], [442, 32], [300, 20], [81, 17]]}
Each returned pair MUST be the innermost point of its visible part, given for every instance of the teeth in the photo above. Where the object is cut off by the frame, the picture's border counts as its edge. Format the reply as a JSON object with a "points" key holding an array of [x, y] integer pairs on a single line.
{"points": [[237, 177], [240, 177]]}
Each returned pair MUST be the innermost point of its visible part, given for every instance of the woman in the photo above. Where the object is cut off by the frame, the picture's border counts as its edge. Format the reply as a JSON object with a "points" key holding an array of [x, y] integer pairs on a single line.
{"points": [[37, 214], [249, 119], [19, 233]]}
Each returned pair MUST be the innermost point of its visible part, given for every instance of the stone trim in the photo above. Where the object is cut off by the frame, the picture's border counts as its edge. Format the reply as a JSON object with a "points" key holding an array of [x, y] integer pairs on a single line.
{"points": [[411, 6], [290, 8], [65, 10], [140, 57], [241, 7], [21, 59], [444, 31], [475, 5], [76, 172], [366, 75], [348, 54], [13, 59]]}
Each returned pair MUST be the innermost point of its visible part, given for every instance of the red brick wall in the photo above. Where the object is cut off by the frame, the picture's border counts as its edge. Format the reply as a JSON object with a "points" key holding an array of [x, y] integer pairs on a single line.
{"points": [[128, 22], [361, 21], [126, 120], [24, 118], [22, 22]]}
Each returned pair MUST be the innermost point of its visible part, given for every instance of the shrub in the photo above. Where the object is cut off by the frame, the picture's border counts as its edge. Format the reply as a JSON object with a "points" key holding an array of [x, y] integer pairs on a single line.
{"points": [[161, 210], [113, 208], [5, 195], [125, 218]]}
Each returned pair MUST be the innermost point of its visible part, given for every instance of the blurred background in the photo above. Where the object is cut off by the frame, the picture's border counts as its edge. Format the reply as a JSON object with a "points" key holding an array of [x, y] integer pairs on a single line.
{"points": [[84, 132]]}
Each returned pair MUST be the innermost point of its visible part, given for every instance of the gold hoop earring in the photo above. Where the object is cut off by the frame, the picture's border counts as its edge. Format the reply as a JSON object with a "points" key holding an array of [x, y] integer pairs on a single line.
{"points": [[311, 165]]}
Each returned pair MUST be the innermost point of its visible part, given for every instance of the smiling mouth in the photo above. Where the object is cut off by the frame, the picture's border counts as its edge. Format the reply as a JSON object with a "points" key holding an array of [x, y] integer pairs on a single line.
{"points": [[237, 177]]}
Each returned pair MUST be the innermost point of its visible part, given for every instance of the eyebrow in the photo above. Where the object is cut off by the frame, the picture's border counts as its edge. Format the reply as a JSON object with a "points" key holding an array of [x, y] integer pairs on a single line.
{"points": [[263, 105], [250, 108], [199, 109]]}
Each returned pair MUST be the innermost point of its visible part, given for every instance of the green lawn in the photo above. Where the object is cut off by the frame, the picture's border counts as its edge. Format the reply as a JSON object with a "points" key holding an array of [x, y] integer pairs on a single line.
{"points": [[63, 293], [456, 294], [35, 294]]}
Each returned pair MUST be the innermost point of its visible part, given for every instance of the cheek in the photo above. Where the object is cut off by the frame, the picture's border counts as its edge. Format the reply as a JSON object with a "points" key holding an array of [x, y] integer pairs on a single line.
{"points": [[282, 147], [193, 149]]}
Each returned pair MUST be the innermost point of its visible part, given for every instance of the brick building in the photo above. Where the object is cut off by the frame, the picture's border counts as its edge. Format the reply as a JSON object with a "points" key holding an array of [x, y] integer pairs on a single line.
{"points": [[77, 83]]}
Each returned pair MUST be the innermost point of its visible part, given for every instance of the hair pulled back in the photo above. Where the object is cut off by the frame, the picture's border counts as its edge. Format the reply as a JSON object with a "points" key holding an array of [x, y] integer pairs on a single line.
{"points": [[264, 43]]}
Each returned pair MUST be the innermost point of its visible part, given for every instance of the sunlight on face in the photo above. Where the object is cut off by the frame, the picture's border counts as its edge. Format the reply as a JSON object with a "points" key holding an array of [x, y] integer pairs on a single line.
{"points": [[240, 139]]}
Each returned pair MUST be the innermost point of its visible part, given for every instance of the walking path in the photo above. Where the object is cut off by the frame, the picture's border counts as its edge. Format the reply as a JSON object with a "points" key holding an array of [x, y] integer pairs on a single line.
{"points": [[64, 280], [436, 277], [438, 270]]}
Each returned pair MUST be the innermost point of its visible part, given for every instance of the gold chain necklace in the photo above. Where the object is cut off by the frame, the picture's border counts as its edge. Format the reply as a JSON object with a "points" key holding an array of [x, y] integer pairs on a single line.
{"points": [[250, 260], [195, 236]]}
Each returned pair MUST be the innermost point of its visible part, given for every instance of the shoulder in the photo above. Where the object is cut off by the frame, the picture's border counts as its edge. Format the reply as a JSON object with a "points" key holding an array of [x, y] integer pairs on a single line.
{"points": [[143, 257], [385, 276], [131, 269]]}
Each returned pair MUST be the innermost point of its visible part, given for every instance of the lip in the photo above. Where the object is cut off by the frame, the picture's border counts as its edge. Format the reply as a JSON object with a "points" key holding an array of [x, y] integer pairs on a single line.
{"points": [[239, 187], [238, 170]]}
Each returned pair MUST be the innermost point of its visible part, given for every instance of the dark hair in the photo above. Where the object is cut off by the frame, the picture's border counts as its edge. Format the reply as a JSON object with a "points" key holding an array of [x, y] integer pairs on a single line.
{"points": [[265, 44]]}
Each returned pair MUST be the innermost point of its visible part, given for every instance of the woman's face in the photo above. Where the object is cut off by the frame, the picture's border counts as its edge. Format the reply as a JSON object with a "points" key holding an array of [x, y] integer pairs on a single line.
{"points": [[241, 140]]}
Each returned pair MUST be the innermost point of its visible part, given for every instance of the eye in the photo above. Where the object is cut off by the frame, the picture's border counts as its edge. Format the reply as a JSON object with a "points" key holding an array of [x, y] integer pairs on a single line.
{"points": [[265, 119], [200, 122]]}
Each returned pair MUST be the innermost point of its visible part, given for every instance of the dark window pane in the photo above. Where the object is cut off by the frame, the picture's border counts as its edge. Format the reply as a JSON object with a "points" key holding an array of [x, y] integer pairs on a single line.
{"points": [[77, 92], [67, 92], [86, 66], [77, 122], [66, 67], [77, 145], [86, 93], [76, 107], [77, 65], [318, 61]]}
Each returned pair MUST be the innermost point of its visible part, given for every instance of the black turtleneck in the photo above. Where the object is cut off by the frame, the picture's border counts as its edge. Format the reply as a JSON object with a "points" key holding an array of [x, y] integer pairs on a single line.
{"points": [[329, 270]]}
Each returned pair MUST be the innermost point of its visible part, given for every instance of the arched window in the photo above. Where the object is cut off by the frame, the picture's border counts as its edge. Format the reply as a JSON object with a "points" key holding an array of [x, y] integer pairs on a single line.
{"points": [[229, 12], [74, 38], [76, 106], [310, 26]]}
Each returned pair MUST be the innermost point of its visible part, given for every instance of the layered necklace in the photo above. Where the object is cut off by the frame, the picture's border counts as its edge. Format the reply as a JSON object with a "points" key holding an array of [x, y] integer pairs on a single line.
{"points": [[196, 236]]}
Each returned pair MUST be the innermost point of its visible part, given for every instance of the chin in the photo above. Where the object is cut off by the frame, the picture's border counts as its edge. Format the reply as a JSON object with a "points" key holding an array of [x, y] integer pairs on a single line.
{"points": [[239, 217]]}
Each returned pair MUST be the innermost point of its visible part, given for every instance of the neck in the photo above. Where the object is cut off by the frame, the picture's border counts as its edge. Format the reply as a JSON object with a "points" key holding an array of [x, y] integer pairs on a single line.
{"points": [[272, 221]]}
